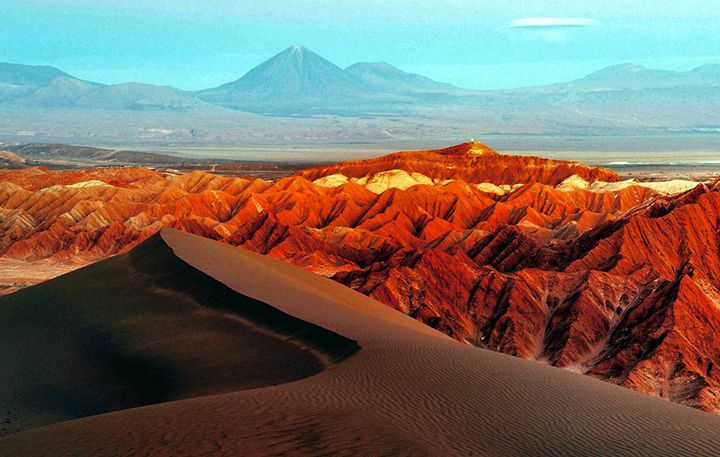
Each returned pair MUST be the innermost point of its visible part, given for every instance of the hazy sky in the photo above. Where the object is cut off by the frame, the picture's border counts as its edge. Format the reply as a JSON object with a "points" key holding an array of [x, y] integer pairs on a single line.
{"points": [[472, 43]]}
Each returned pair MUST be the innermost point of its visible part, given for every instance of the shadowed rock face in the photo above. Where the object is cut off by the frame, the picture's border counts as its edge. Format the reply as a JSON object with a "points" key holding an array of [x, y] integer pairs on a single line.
{"points": [[541, 259]]}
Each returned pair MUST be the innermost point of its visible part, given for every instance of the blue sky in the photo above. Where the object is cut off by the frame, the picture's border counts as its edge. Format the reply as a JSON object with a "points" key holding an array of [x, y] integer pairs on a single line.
{"points": [[479, 44]]}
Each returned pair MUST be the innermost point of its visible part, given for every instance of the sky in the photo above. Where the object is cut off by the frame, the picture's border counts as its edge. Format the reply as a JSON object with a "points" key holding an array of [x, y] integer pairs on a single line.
{"points": [[194, 44]]}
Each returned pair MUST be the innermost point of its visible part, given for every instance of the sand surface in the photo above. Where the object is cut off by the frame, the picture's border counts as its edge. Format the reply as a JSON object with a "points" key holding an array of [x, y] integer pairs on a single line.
{"points": [[139, 329], [669, 187], [408, 390]]}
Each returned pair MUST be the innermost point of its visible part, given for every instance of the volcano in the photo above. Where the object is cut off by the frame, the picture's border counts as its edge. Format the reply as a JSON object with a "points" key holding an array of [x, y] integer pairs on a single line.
{"points": [[294, 77]]}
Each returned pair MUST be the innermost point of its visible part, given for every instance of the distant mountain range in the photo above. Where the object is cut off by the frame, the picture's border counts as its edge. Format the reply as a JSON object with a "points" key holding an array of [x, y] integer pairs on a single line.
{"points": [[48, 87], [299, 82], [296, 81]]}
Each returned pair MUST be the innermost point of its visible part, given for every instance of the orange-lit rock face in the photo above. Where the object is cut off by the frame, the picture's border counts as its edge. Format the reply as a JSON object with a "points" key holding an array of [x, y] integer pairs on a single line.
{"points": [[547, 260], [470, 162]]}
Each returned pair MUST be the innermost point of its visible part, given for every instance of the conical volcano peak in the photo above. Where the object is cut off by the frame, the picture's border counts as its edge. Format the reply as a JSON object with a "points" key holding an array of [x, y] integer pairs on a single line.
{"points": [[472, 148], [295, 76], [296, 54], [298, 51]]}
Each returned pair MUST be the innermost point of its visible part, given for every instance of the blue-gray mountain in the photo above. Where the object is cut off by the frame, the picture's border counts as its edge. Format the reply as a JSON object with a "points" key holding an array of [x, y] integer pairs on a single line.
{"points": [[621, 99], [48, 87]]}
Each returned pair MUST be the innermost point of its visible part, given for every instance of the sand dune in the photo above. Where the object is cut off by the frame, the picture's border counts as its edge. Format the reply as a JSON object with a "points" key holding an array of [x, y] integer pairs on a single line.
{"points": [[144, 328], [408, 390]]}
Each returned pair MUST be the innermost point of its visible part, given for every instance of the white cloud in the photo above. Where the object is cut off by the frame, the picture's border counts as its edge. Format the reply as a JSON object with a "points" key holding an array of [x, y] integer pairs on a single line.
{"points": [[554, 22]]}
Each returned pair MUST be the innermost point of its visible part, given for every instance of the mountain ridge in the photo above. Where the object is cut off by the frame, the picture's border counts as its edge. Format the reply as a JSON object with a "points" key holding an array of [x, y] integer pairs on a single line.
{"points": [[388, 77], [49, 87], [299, 83]]}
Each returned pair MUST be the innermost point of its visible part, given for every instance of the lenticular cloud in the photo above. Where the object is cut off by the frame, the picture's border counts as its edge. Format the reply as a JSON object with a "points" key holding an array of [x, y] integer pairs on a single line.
{"points": [[553, 22]]}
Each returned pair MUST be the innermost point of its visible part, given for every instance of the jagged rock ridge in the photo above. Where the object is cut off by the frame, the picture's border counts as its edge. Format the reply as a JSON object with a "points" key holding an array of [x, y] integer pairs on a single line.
{"points": [[541, 259]]}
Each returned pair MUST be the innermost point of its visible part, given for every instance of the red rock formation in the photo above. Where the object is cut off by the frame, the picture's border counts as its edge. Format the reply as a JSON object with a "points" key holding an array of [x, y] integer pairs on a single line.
{"points": [[471, 162], [614, 280]]}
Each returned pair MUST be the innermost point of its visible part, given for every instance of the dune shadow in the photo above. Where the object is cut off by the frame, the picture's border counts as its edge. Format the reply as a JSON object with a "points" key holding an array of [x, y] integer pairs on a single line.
{"points": [[153, 330]]}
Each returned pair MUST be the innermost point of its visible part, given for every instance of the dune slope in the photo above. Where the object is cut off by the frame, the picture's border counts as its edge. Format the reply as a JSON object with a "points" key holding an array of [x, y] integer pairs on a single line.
{"points": [[144, 328], [409, 390]]}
